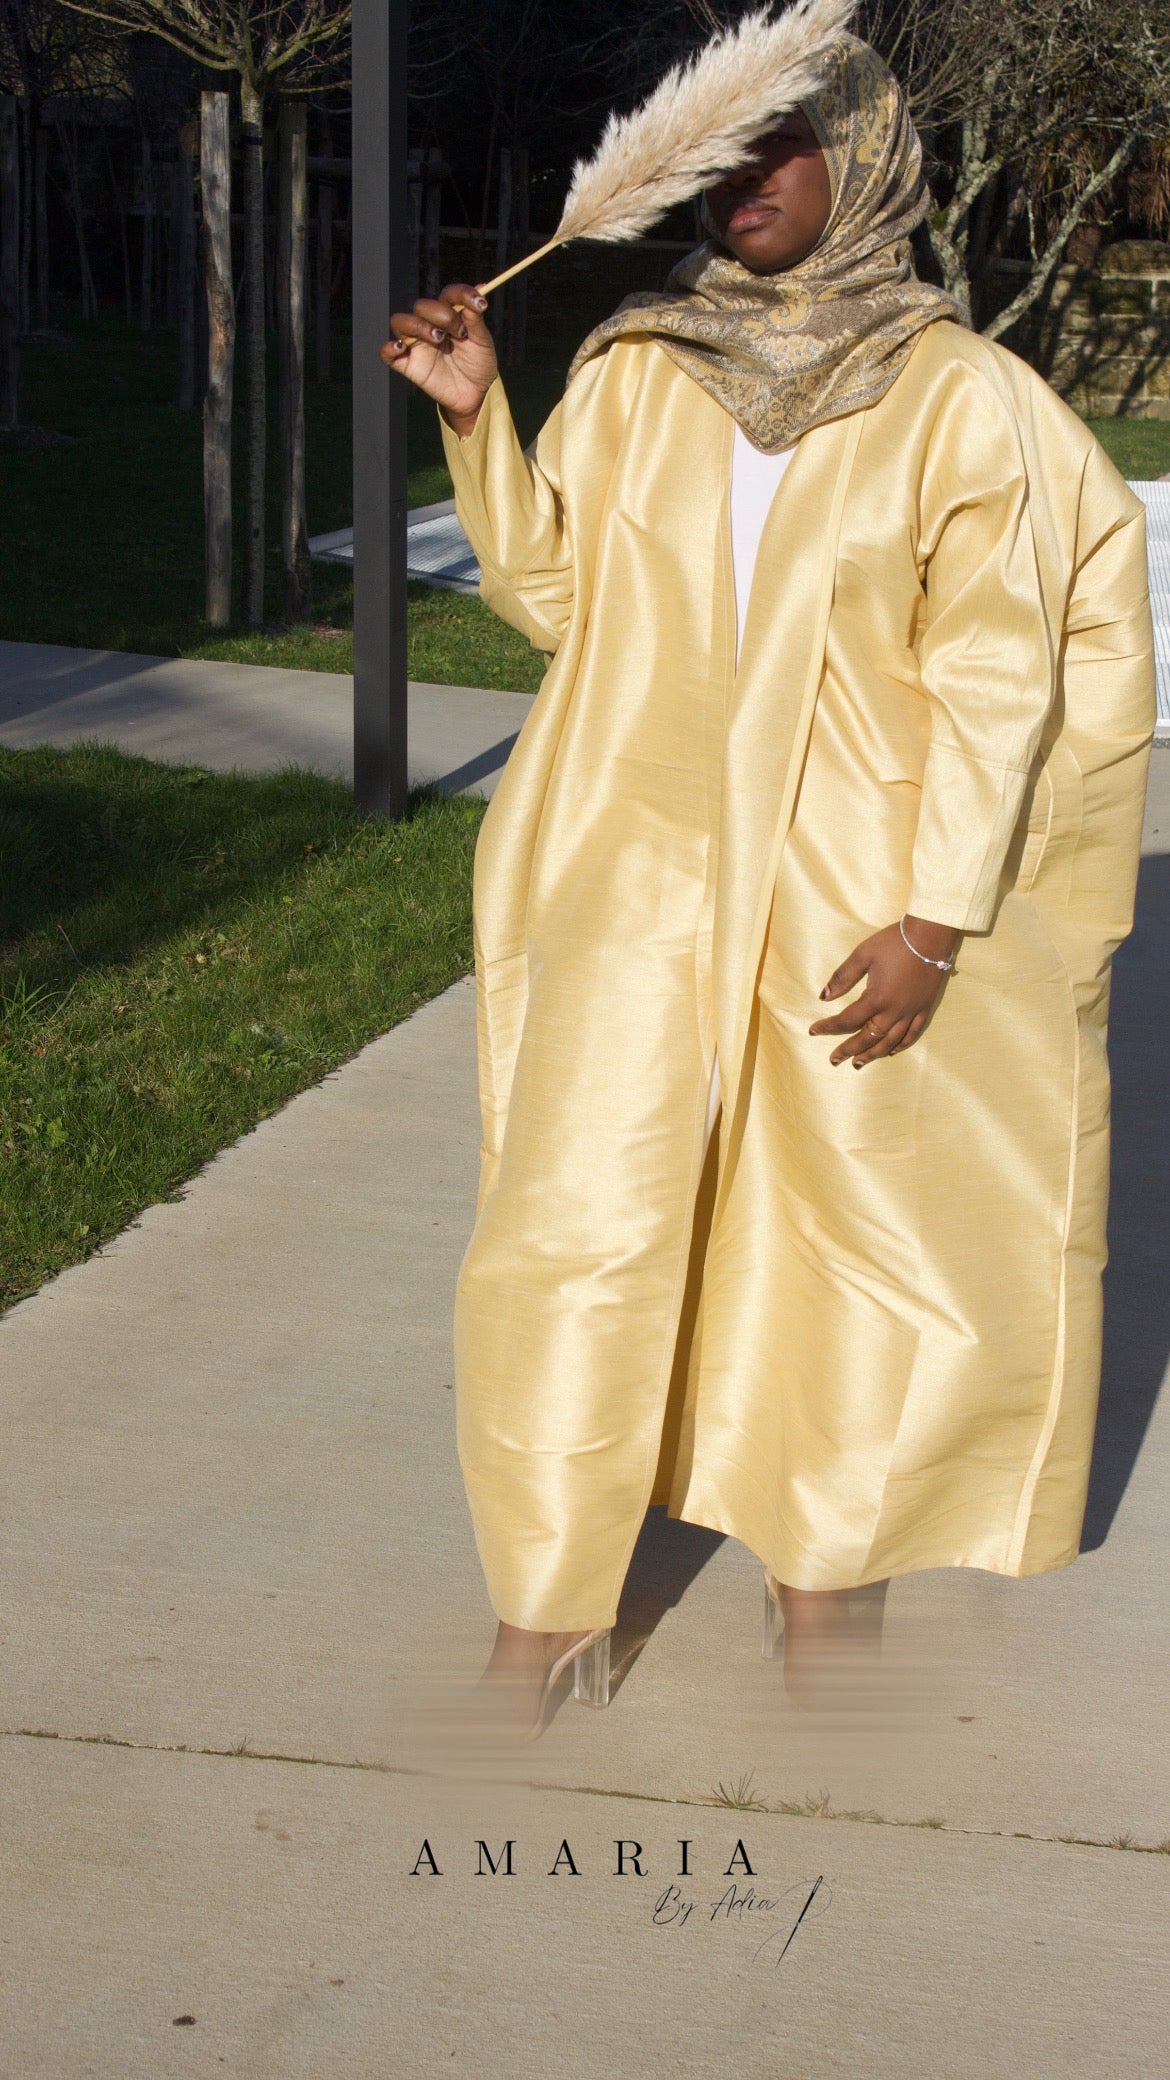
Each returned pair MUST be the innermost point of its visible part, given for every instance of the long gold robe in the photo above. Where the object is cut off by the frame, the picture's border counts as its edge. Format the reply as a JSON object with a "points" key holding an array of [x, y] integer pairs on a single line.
{"points": [[867, 1341]]}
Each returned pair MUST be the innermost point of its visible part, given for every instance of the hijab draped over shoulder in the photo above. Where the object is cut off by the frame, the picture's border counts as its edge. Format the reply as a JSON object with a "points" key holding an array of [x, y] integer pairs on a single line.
{"points": [[787, 351]]}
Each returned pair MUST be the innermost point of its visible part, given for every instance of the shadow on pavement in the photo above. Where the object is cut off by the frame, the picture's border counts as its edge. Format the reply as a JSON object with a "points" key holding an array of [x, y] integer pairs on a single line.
{"points": [[1137, 1282]]}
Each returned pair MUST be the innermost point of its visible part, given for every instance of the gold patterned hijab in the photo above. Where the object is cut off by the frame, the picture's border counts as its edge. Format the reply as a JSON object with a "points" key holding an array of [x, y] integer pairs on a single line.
{"points": [[787, 351]]}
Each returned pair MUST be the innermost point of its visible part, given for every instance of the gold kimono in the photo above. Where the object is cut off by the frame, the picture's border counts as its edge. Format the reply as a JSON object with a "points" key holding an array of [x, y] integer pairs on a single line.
{"points": [[865, 1337]]}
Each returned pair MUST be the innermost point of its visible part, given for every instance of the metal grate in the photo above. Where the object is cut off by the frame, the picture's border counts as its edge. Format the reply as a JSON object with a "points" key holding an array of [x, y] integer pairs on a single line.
{"points": [[437, 550], [1155, 496]]}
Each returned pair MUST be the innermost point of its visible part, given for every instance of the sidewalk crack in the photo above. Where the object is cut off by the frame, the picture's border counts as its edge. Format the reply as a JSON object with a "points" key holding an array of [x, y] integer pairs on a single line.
{"points": [[819, 1808]]}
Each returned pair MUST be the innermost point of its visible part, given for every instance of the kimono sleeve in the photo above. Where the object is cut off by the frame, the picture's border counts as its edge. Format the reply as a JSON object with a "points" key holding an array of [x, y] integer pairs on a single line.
{"points": [[509, 506], [987, 659]]}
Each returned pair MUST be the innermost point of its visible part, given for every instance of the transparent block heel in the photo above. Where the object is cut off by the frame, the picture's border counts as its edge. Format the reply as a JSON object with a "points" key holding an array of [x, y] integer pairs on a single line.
{"points": [[591, 1673], [773, 1619], [590, 1659]]}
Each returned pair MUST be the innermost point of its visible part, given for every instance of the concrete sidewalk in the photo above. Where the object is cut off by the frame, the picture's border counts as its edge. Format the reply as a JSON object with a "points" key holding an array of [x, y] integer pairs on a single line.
{"points": [[239, 1574], [248, 716]]}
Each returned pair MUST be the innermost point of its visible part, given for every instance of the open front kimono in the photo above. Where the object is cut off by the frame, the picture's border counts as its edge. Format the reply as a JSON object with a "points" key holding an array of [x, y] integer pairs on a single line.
{"points": [[865, 1337]]}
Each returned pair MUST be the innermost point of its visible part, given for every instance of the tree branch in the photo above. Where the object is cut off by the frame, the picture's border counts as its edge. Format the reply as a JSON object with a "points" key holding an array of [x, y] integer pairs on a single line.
{"points": [[1050, 259]]}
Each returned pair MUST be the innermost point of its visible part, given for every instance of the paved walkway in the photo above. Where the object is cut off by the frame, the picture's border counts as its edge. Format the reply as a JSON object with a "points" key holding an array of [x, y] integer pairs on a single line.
{"points": [[242, 715], [238, 1570]]}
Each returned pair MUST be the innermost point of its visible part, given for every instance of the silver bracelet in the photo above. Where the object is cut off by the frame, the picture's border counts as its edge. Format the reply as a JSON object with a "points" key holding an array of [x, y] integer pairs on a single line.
{"points": [[946, 966]]}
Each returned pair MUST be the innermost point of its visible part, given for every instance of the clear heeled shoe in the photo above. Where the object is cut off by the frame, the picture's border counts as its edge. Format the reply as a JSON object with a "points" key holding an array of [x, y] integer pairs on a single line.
{"points": [[590, 1659], [773, 1618]]}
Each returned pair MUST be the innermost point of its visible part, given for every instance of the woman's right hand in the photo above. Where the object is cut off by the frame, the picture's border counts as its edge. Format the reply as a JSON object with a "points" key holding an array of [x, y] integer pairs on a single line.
{"points": [[448, 352]]}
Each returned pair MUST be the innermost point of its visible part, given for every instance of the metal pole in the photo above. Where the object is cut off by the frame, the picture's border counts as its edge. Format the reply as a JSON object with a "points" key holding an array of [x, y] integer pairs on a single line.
{"points": [[380, 274]]}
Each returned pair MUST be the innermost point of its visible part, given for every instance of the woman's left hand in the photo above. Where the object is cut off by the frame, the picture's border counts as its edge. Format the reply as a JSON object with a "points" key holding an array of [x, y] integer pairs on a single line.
{"points": [[899, 995]]}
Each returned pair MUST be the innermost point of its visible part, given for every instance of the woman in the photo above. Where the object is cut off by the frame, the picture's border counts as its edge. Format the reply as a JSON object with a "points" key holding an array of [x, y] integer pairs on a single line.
{"points": [[864, 1336]]}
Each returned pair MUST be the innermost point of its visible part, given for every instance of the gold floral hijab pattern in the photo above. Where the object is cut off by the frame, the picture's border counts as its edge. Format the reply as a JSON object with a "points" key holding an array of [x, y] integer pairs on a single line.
{"points": [[784, 352]]}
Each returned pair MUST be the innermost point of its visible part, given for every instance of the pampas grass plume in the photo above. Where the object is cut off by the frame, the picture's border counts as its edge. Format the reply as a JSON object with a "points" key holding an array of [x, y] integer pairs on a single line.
{"points": [[702, 120]]}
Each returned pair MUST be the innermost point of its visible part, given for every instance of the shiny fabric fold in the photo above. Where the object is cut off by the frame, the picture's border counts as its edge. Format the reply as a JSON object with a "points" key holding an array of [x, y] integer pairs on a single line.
{"points": [[866, 1340]]}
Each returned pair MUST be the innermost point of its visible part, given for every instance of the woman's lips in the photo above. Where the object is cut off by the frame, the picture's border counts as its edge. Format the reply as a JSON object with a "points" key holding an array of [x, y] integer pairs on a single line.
{"points": [[749, 216]]}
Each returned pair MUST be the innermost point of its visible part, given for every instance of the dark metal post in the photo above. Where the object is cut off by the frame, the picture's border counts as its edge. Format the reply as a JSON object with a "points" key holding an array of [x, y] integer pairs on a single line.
{"points": [[380, 270]]}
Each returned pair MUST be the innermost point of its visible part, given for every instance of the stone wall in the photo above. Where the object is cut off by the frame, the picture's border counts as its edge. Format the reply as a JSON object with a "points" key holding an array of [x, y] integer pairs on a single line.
{"points": [[1100, 333]]}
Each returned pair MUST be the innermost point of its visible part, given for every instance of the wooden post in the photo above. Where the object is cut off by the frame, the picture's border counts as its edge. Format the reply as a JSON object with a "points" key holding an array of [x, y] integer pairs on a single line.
{"points": [[215, 168], [324, 301], [518, 290], [380, 273], [9, 264], [255, 372], [292, 223]]}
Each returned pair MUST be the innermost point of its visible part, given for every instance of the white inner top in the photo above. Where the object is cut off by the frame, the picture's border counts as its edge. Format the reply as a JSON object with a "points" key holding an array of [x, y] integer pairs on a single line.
{"points": [[754, 478]]}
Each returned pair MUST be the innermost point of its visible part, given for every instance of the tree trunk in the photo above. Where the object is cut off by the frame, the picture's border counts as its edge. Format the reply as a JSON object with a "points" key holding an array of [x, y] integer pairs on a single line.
{"points": [[26, 208], [172, 234], [146, 284], [68, 146], [324, 301], [215, 170], [9, 264], [271, 212], [252, 106], [518, 290], [290, 283], [123, 239], [183, 246], [414, 191], [41, 226], [162, 306], [501, 325]]}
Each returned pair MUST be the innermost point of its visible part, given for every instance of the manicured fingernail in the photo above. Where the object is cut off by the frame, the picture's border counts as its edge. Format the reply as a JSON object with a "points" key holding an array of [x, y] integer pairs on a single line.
{"points": [[857, 1064], [481, 303], [824, 992]]}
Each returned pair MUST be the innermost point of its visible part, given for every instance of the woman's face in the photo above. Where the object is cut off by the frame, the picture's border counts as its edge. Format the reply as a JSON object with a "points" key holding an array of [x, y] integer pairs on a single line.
{"points": [[771, 211]]}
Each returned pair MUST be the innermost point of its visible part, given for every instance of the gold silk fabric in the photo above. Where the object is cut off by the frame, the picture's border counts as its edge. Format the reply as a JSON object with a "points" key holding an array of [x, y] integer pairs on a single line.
{"points": [[863, 1339], [785, 352]]}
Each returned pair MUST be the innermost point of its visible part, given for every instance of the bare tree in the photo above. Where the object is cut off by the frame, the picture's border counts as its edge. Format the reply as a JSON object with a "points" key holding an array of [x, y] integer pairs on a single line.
{"points": [[9, 266], [272, 46], [1032, 110], [1038, 116], [47, 52]]}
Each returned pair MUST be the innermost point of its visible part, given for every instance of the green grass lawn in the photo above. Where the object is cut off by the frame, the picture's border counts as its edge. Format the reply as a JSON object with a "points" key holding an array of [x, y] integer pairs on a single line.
{"points": [[1139, 447], [181, 952]]}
